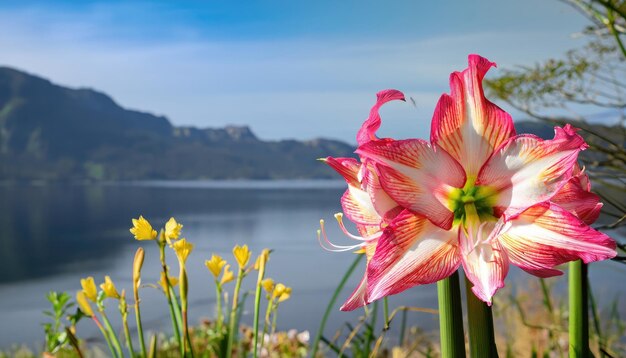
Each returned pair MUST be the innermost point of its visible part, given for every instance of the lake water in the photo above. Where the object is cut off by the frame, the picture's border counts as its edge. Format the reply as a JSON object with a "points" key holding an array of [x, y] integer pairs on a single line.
{"points": [[53, 235]]}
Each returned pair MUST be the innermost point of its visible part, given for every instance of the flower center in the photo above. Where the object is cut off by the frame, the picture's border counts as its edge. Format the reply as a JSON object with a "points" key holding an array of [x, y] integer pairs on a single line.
{"points": [[472, 202]]}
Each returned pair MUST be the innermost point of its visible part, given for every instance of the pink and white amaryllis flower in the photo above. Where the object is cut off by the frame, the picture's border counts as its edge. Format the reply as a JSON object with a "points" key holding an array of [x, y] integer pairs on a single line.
{"points": [[364, 203], [480, 196]]}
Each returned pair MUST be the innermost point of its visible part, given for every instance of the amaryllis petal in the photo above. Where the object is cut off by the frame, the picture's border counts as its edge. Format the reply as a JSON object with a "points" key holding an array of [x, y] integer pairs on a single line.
{"points": [[465, 123], [417, 176], [358, 207], [527, 170], [485, 263], [384, 205], [372, 123], [575, 197], [547, 235], [358, 298], [412, 251], [348, 168]]}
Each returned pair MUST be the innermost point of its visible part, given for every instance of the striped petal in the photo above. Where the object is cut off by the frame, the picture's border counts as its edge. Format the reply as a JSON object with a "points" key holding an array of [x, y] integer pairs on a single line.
{"points": [[465, 123], [384, 205], [575, 197], [484, 261], [358, 298], [527, 170], [348, 168], [417, 176], [411, 252], [547, 235], [358, 207], [372, 123]]}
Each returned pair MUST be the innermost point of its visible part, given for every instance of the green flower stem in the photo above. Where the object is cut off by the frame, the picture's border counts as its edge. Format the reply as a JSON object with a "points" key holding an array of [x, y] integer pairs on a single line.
{"points": [[179, 321], [451, 317], [386, 312], [172, 301], [257, 308], [105, 334], [578, 310], [480, 323], [274, 318], [139, 326], [266, 322], [112, 335], [173, 315], [218, 303], [184, 287], [232, 329], [331, 304], [129, 340]]}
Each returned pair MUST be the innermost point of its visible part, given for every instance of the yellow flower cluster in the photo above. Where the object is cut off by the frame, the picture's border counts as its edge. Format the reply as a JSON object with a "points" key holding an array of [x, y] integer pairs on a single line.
{"points": [[219, 268]]}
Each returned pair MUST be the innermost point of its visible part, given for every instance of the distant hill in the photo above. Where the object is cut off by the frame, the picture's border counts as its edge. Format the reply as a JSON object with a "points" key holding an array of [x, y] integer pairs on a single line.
{"points": [[52, 132]]}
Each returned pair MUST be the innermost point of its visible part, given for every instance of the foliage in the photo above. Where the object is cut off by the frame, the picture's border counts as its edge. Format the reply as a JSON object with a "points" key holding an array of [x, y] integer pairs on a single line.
{"points": [[58, 335]]}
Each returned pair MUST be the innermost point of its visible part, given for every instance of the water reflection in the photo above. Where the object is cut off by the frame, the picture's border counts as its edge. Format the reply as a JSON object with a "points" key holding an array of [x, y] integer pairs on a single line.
{"points": [[52, 235]]}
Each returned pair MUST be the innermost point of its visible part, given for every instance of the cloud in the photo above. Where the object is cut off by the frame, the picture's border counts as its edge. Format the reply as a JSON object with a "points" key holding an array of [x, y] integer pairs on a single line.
{"points": [[282, 87]]}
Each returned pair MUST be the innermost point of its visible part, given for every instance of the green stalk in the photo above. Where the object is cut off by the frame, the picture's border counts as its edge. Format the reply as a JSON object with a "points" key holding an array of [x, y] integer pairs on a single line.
{"points": [[232, 329], [129, 341], [176, 306], [266, 322], [184, 287], [386, 312], [175, 314], [140, 327], [218, 303], [257, 307], [451, 317], [480, 322], [331, 304], [105, 334], [578, 314], [114, 340], [274, 318]]}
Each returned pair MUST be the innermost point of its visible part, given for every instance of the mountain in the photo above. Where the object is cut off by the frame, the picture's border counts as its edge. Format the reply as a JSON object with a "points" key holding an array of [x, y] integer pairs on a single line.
{"points": [[52, 132]]}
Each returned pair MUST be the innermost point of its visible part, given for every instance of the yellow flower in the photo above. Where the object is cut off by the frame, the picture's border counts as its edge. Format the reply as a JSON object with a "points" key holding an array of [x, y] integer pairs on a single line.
{"points": [[268, 285], [173, 281], [278, 290], [172, 229], [242, 255], [227, 276], [89, 288], [109, 288], [182, 249], [281, 292], [286, 294], [265, 255], [142, 229], [215, 264], [83, 303]]}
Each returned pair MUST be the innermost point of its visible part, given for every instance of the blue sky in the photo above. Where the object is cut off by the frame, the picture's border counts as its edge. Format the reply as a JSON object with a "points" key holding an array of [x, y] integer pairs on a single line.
{"points": [[289, 69]]}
